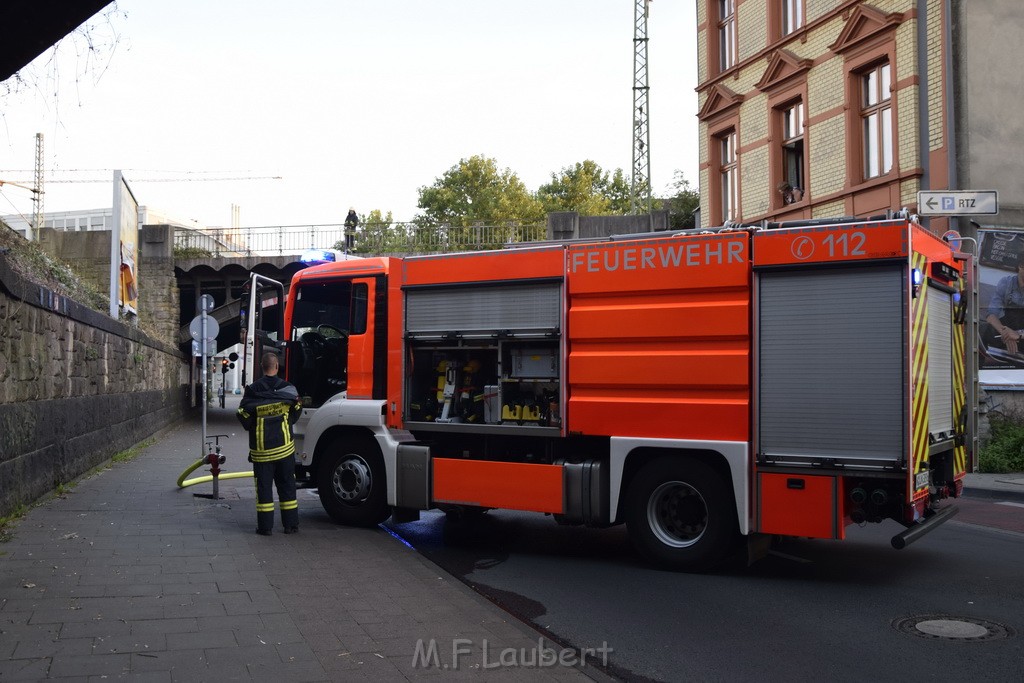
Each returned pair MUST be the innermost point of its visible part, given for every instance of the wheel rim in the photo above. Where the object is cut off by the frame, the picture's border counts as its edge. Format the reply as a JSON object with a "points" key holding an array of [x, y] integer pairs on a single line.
{"points": [[677, 514], [351, 480]]}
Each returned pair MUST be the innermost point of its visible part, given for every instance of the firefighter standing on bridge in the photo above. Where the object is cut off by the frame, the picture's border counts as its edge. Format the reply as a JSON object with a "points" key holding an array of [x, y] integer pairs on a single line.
{"points": [[351, 223], [268, 409]]}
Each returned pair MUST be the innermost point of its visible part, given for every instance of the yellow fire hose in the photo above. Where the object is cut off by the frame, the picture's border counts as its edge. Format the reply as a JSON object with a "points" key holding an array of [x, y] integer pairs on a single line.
{"points": [[183, 482]]}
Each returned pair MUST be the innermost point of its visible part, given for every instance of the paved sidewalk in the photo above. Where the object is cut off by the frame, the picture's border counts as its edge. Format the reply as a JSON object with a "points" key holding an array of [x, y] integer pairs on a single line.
{"points": [[1009, 486], [127, 576]]}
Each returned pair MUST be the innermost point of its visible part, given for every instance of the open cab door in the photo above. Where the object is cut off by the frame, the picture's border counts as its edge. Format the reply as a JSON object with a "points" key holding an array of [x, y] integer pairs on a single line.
{"points": [[261, 319]]}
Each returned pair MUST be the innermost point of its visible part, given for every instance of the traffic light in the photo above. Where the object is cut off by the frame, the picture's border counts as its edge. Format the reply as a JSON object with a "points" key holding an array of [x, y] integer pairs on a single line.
{"points": [[224, 365]]}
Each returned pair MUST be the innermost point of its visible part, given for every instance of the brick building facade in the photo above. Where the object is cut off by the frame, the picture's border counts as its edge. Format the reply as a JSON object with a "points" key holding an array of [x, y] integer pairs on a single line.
{"points": [[846, 101]]}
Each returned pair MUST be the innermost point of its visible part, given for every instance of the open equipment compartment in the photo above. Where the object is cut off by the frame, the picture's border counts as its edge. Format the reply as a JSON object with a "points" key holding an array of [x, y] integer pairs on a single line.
{"points": [[484, 356]]}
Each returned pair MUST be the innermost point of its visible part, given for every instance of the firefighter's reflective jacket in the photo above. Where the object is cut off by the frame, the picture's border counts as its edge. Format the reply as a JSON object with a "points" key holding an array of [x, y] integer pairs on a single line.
{"points": [[268, 409]]}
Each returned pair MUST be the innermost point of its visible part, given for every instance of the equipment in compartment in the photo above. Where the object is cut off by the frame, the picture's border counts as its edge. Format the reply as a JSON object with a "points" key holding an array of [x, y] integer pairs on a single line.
{"points": [[447, 385], [492, 404], [498, 383], [534, 363], [530, 403]]}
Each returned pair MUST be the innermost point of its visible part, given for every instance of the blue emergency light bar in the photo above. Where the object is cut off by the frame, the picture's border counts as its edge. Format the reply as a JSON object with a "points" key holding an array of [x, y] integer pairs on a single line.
{"points": [[314, 256]]}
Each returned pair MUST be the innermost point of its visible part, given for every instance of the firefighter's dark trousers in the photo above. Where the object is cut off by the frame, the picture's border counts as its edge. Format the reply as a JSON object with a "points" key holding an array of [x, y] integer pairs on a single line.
{"points": [[280, 472]]}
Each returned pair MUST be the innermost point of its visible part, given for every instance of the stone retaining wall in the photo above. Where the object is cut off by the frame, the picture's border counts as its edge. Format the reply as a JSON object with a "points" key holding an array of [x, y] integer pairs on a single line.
{"points": [[76, 387]]}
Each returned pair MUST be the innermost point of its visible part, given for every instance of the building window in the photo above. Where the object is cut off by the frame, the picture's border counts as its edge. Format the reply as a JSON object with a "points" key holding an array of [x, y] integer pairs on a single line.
{"points": [[726, 34], [792, 16], [876, 120], [792, 187], [729, 175]]}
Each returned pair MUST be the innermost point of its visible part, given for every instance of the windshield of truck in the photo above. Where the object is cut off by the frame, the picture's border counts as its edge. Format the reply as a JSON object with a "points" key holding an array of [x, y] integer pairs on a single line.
{"points": [[322, 307]]}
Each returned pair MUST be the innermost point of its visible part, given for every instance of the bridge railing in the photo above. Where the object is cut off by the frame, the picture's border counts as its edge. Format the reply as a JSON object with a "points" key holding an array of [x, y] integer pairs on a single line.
{"points": [[371, 238]]}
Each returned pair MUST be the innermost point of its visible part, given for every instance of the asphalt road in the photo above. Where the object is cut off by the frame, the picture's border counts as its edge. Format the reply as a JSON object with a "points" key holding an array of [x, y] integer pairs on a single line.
{"points": [[810, 610]]}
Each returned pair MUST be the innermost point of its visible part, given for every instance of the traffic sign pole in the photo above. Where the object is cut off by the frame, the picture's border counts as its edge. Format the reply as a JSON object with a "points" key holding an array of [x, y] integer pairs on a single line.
{"points": [[204, 331], [202, 445]]}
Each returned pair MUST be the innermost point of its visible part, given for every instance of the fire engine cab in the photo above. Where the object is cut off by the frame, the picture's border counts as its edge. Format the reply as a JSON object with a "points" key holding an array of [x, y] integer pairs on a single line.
{"points": [[701, 387]]}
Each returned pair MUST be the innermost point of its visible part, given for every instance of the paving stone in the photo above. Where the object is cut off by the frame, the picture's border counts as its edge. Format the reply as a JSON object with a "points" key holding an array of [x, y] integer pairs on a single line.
{"points": [[138, 677], [89, 665], [97, 628], [204, 640], [144, 642], [181, 660], [24, 669], [41, 645], [187, 609], [145, 626]]}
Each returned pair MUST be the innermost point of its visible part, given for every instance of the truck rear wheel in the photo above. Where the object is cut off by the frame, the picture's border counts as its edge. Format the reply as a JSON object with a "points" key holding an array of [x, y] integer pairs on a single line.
{"points": [[681, 514], [352, 483]]}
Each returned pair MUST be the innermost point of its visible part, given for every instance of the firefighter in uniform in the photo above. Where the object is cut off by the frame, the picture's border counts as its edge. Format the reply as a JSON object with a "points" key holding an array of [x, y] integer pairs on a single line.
{"points": [[269, 407]]}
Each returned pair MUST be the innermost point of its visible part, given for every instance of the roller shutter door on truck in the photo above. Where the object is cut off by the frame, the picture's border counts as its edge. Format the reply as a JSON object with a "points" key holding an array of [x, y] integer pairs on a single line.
{"points": [[940, 361], [831, 377], [467, 308]]}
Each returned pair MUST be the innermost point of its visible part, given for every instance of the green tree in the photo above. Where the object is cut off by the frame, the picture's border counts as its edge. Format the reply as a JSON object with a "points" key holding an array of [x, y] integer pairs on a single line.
{"points": [[587, 189], [620, 192], [680, 204], [474, 191]]}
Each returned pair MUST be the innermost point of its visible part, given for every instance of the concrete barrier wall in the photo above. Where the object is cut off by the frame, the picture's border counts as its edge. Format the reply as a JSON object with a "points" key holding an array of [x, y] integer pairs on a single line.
{"points": [[76, 387], [565, 225]]}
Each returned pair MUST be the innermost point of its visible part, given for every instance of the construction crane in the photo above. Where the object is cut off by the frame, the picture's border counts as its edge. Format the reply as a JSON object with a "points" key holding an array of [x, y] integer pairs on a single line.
{"points": [[641, 184], [139, 181]]}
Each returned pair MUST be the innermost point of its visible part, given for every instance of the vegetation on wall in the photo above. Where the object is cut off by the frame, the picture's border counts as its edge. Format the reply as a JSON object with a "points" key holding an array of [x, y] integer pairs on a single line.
{"points": [[184, 253], [30, 261]]}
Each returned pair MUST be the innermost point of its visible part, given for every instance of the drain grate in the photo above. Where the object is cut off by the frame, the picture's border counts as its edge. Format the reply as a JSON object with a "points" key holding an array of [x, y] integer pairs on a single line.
{"points": [[948, 627]]}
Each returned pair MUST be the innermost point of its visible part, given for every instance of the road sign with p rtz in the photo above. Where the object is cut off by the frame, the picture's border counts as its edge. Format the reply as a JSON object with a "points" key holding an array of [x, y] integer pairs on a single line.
{"points": [[958, 203]]}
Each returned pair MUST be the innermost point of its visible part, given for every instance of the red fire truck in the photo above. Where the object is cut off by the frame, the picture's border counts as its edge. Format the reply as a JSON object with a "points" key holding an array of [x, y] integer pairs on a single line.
{"points": [[702, 387]]}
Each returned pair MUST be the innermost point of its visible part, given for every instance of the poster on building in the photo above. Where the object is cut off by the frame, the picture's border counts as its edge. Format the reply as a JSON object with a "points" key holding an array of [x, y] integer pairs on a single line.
{"points": [[1001, 307], [124, 251]]}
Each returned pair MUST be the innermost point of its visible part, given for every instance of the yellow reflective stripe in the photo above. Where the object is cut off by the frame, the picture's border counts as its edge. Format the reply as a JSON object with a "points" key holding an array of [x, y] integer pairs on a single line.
{"points": [[273, 409], [289, 504], [264, 507], [959, 395], [276, 454], [277, 450], [259, 435], [919, 377]]}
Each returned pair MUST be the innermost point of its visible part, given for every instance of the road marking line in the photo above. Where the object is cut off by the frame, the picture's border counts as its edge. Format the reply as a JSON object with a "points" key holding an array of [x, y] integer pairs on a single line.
{"points": [[1006, 502]]}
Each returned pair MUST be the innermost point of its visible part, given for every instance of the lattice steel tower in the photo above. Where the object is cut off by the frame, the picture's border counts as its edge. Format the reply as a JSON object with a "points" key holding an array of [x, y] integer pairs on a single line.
{"points": [[641, 185], [37, 219]]}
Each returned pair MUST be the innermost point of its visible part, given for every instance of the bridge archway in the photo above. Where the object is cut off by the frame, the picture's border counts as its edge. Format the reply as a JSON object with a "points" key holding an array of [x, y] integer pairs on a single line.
{"points": [[223, 279]]}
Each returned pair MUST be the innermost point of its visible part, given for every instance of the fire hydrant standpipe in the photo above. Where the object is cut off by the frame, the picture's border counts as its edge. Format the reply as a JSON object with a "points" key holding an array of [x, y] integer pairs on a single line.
{"points": [[183, 482], [214, 459]]}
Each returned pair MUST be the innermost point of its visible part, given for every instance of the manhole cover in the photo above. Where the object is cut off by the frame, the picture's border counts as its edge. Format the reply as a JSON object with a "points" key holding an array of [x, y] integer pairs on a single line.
{"points": [[947, 627]]}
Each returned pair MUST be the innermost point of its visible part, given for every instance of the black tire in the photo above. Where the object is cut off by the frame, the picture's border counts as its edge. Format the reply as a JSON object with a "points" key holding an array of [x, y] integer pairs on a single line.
{"points": [[352, 482], [681, 514]]}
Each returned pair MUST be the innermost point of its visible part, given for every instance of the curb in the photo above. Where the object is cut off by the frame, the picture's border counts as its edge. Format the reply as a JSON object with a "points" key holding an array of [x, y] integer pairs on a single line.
{"points": [[993, 494]]}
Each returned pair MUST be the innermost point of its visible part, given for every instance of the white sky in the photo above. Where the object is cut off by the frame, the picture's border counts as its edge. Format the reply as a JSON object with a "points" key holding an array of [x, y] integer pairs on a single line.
{"points": [[352, 103]]}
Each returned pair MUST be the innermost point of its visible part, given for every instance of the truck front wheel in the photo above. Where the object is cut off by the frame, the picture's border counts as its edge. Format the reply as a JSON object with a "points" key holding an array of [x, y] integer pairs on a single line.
{"points": [[352, 483], [681, 514]]}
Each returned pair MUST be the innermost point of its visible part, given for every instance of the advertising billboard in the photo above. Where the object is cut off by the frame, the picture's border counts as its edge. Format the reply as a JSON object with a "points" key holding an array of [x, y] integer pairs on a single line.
{"points": [[1001, 307], [124, 251]]}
